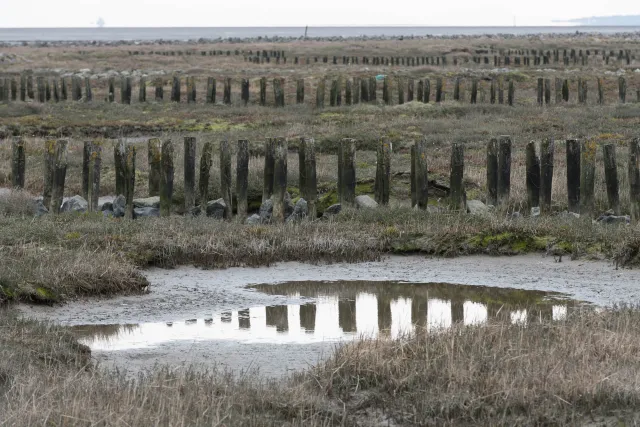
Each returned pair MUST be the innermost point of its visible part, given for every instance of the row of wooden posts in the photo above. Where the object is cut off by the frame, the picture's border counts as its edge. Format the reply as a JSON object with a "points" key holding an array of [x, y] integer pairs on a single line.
{"points": [[356, 90], [580, 159]]}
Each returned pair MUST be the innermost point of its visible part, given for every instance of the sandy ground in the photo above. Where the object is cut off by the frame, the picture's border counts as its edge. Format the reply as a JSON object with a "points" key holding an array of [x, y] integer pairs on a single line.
{"points": [[190, 293]]}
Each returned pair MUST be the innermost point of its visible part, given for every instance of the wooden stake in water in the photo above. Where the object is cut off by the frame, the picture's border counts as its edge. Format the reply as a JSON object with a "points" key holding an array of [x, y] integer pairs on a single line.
{"points": [[492, 172], [59, 175], [533, 175], [611, 177], [456, 183], [130, 179], [226, 178], [547, 149], [383, 172], [206, 160], [189, 173], [587, 176], [279, 179], [166, 179], [154, 156], [242, 177], [504, 169], [573, 175]]}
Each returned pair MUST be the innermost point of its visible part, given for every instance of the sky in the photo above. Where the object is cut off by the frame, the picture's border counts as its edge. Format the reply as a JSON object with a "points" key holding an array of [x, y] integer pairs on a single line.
{"points": [[298, 13]]}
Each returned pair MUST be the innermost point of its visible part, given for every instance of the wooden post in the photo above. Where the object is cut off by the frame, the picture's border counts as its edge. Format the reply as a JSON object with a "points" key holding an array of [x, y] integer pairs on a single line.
{"points": [[227, 91], [427, 91], [400, 91], [242, 177], [547, 91], [500, 92], [47, 90], [18, 162], [410, 88], [279, 179], [154, 155], [474, 91], [320, 94], [59, 175], [420, 91], [125, 90], [95, 163], [504, 169], [49, 162], [364, 91], [111, 93], [356, 90], [611, 177], [456, 89], [40, 85], [87, 151], [558, 90], [547, 150], [191, 90], [587, 176], [23, 87], [278, 91], [189, 173], [634, 178], [565, 90], [533, 175], [622, 89], [512, 93], [456, 183], [166, 179], [373, 88], [263, 91], [439, 89], [421, 178], [310, 181], [142, 92], [492, 91], [348, 181], [333, 93], [600, 92], [226, 178], [269, 153], [211, 90], [119, 165], [348, 92], [386, 89], [540, 90], [30, 88], [492, 172], [573, 175], [383, 172], [130, 179], [88, 95], [205, 168], [412, 176], [245, 91]]}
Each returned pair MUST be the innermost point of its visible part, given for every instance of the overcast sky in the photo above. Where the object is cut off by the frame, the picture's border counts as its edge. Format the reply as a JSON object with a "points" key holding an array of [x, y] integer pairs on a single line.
{"points": [[229, 13]]}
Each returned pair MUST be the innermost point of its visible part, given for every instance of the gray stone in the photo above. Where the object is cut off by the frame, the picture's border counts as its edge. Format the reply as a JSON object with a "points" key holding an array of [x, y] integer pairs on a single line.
{"points": [[40, 209], [215, 208], [609, 218], [253, 220], [148, 202], [105, 199], [567, 214], [332, 210], [476, 207], [300, 211], [146, 212], [75, 204], [266, 210], [515, 215], [107, 206], [365, 202], [119, 204], [535, 211]]}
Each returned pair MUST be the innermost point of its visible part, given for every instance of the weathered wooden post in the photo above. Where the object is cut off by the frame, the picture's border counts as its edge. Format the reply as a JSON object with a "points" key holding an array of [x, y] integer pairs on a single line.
{"points": [[263, 91], [125, 90], [40, 85], [439, 89], [427, 91], [206, 160], [634, 178], [348, 97], [383, 172], [269, 153], [410, 88], [474, 91], [420, 91], [373, 88], [88, 94], [76, 88], [504, 169], [130, 179], [111, 93], [309, 184], [191, 90], [30, 87], [356, 90], [565, 90], [142, 91], [587, 176], [18, 162], [512, 93], [457, 194], [175, 89], [364, 91], [59, 176], [547, 91], [492, 91], [573, 175], [347, 190], [154, 155], [23, 87], [320, 94], [333, 93], [166, 179], [533, 175], [500, 92], [227, 91], [420, 178], [278, 91], [492, 172], [226, 178], [95, 162], [189, 173], [47, 90], [540, 90], [558, 90], [547, 149], [456, 89], [211, 90], [87, 151], [400, 91], [49, 161], [622, 89], [412, 177], [600, 92], [242, 178], [244, 88], [279, 179], [611, 177]]}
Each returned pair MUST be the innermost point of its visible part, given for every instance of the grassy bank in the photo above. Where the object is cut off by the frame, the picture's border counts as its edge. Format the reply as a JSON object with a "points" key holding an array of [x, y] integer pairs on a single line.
{"points": [[576, 371]]}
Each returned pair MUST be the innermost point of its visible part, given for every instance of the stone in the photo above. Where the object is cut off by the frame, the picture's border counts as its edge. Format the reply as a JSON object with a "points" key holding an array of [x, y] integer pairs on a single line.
{"points": [[40, 209], [365, 202], [332, 210], [253, 220], [476, 207], [266, 210], [148, 202], [119, 204], [146, 212], [515, 215], [75, 204], [535, 211], [215, 208], [105, 199], [107, 206], [609, 218], [300, 211], [567, 214]]}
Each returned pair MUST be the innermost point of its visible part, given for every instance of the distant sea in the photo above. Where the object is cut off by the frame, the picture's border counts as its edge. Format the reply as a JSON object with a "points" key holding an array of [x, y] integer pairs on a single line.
{"points": [[194, 33]]}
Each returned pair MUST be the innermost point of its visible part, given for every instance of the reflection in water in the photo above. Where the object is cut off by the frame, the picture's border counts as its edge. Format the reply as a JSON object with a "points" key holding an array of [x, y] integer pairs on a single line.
{"points": [[341, 311]]}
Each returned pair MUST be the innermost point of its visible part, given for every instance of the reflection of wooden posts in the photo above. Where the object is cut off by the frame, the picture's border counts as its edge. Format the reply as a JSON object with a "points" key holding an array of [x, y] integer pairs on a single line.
{"points": [[457, 311], [634, 178], [154, 156], [573, 175], [347, 315], [547, 149], [244, 319], [279, 180], [269, 156], [225, 178], [278, 317], [95, 162], [206, 160], [384, 313], [492, 172], [308, 175], [211, 90], [166, 181], [456, 184], [130, 179], [87, 149], [533, 175], [242, 178], [587, 176], [59, 175], [308, 317], [419, 312], [347, 190], [611, 177], [189, 172], [119, 167], [420, 177], [49, 161], [504, 169], [383, 172], [18, 162]]}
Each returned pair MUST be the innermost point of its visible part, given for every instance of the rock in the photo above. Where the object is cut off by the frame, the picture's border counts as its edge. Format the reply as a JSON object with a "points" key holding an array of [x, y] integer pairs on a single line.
{"points": [[148, 202], [75, 204], [146, 212], [300, 211], [365, 202], [476, 207], [108, 206], [215, 208], [253, 220], [332, 210], [566, 214], [107, 214], [40, 209], [609, 217], [515, 215], [535, 211], [266, 210], [105, 199], [118, 206]]}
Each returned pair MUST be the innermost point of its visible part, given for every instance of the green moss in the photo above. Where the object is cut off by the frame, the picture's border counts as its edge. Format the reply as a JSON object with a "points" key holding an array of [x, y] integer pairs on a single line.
{"points": [[326, 200], [508, 242], [45, 295]]}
